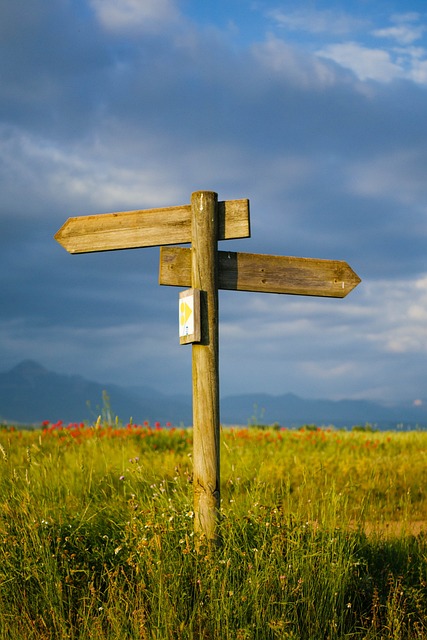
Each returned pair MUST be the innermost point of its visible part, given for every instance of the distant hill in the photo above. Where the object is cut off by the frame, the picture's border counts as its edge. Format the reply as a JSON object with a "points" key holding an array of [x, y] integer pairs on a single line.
{"points": [[293, 411], [29, 394]]}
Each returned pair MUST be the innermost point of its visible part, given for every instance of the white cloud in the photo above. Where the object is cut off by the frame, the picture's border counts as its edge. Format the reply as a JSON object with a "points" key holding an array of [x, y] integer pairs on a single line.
{"points": [[405, 31], [419, 71], [303, 71], [394, 57], [317, 21], [135, 15], [404, 34], [72, 176], [399, 322], [330, 371], [97, 176], [359, 343], [366, 64]]}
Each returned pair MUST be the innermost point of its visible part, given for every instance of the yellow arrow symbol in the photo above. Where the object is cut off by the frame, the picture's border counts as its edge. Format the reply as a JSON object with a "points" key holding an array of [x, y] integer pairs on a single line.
{"points": [[185, 312]]}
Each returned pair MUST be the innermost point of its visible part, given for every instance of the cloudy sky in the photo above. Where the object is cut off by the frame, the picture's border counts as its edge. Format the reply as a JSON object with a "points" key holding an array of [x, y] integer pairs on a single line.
{"points": [[315, 111]]}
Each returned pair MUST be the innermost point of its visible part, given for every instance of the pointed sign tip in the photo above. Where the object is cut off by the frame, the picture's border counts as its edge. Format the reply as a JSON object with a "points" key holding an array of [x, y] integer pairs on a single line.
{"points": [[351, 282], [59, 237]]}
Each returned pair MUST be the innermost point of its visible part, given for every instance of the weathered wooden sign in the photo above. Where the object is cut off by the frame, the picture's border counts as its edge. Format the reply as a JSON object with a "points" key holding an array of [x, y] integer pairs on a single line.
{"points": [[264, 273], [205, 270], [147, 228]]}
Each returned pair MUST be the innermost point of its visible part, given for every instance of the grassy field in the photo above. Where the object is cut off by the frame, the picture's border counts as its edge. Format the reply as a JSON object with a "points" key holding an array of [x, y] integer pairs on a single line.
{"points": [[323, 535]]}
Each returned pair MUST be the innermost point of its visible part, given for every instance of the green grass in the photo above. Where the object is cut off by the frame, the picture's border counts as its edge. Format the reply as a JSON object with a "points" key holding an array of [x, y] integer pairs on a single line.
{"points": [[322, 536]]}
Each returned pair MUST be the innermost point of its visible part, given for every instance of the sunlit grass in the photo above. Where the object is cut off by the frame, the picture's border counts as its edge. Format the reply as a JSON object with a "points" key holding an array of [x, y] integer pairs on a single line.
{"points": [[96, 532]]}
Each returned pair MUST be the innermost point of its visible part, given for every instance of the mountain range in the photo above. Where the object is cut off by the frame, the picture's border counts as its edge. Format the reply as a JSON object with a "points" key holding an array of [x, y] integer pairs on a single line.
{"points": [[30, 394]]}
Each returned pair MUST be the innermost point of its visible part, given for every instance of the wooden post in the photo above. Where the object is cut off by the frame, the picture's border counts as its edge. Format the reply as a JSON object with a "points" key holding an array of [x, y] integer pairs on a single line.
{"points": [[206, 423]]}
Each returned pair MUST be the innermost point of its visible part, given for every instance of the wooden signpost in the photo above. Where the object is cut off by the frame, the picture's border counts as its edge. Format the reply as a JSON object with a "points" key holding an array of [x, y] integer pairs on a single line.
{"points": [[264, 273], [205, 270]]}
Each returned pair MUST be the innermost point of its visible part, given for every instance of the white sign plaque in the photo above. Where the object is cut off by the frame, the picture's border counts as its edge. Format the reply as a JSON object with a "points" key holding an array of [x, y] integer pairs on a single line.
{"points": [[189, 316]]}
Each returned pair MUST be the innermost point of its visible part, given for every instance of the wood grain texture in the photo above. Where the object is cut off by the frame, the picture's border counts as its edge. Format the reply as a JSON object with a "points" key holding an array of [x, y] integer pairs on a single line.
{"points": [[147, 228], [205, 369], [264, 273]]}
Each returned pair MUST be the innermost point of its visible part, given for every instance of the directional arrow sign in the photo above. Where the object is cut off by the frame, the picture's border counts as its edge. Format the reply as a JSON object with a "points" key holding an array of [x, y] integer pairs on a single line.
{"points": [[185, 312], [147, 228], [264, 273], [189, 316]]}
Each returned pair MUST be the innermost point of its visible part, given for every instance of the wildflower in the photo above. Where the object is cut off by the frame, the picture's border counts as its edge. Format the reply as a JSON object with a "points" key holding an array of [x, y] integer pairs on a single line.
{"points": [[121, 478]]}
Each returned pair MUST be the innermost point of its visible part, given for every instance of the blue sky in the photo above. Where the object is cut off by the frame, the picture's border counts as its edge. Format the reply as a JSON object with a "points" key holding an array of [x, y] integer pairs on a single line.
{"points": [[315, 111]]}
